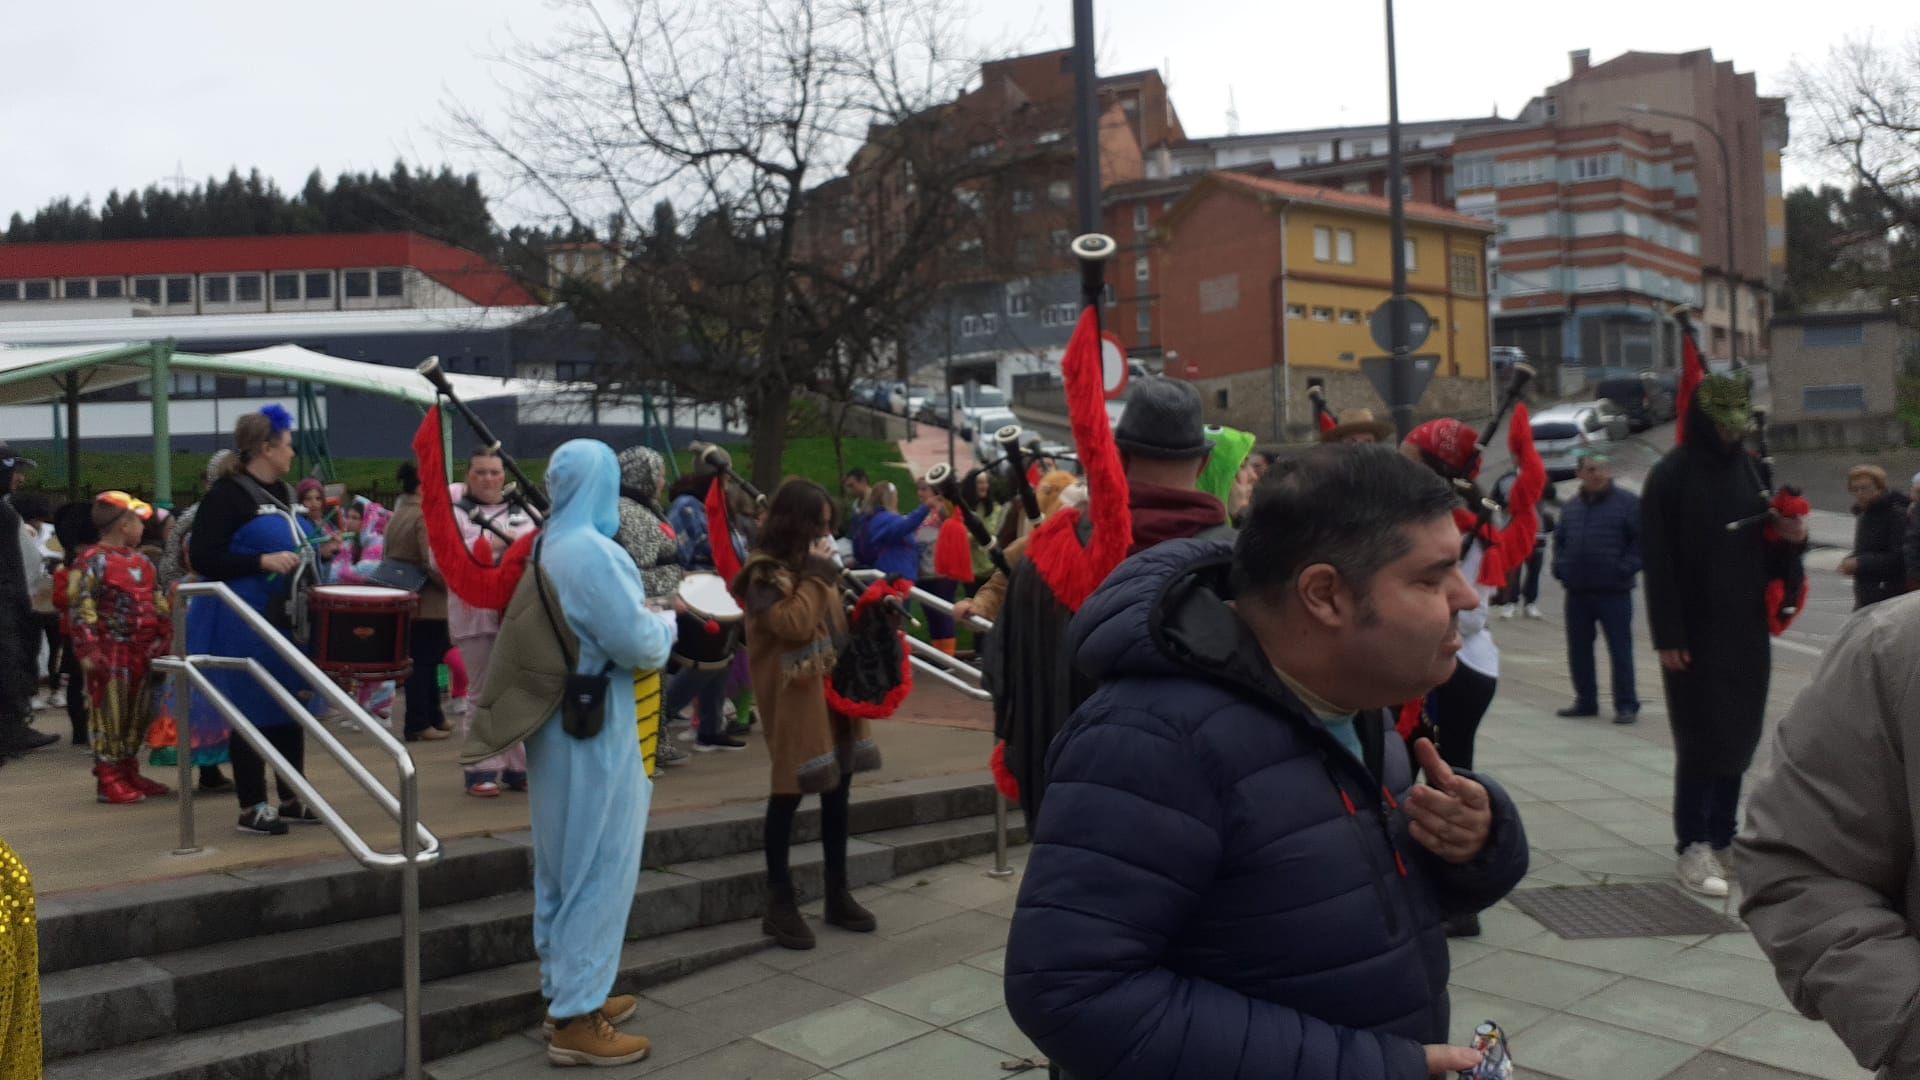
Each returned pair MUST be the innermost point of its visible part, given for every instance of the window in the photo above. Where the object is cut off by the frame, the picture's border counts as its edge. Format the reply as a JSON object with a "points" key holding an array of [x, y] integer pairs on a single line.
{"points": [[989, 323], [246, 288], [1023, 249], [1594, 223], [851, 236], [969, 248], [1108, 296], [1022, 201], [1847, 397], [1019, 301], [147, 288], [1833, 335], [1596, 166], [37, 290], [1310, 157], [1059, 315], [1048, 138], [1061, 239], [1144, 320], [1720, 294], [1596, 278], [1349, 317], [1362, 148], [179, 290], [1406, 187], [1322, 314], [1412, 254], [1463, 275], [1343, 246], [1140, 219], [1356, 187], [1296, 311], [849, 269], [216, 289], [1473, 171], [108, 287], [1060, 191], [319, 285], [982, 150], [1529, 171], [76, 289], [969, 325], [387, 283], [286, 286], [356, 284], [9, 290], [1322, 243], [1142, 268]]}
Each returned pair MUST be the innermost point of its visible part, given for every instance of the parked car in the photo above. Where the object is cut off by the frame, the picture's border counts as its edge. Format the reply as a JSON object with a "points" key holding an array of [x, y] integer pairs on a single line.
{"points": [[1503, 357], [1562, 430], [1640, 395], [977, 426]]}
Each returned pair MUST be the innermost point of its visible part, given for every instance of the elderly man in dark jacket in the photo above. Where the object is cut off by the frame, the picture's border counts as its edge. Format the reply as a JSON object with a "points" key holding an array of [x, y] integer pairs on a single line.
{"points": [[1236, 875], [1596, 556]]}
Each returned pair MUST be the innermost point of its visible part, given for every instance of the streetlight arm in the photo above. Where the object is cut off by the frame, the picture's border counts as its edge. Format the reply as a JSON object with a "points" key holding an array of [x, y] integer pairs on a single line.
{"points": [[1729, 273]]}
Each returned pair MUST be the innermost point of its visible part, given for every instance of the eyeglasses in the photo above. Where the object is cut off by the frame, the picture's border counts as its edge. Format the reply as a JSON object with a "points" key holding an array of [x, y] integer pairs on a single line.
{"points": [[141, 510]]}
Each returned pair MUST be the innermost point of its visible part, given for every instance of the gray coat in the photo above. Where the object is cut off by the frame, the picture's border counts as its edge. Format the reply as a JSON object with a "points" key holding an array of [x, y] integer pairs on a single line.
{"points": [[1827, 861]]}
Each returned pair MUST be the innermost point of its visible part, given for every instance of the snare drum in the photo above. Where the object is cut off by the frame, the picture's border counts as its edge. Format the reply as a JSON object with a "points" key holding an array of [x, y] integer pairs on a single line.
{"points": [[361, 631], [709, 630]]}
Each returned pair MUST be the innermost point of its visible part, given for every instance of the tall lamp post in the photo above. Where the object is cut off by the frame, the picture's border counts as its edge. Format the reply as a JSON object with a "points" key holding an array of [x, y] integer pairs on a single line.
{"points": [[1400, 380], [1726, 197]]}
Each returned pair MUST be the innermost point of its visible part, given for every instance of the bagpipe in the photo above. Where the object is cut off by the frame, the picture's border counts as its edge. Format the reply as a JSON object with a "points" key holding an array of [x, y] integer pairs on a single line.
{"points": [[1324, 418], [1482, 508]]}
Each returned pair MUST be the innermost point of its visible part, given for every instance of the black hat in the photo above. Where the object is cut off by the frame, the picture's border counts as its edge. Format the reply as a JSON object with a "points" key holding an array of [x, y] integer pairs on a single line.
{"points": [[1162, 420], [12, 460]]}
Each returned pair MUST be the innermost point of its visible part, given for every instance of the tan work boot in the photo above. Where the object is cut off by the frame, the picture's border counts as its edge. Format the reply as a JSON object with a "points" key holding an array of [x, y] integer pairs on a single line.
{"points": [[590, 1040], [618, 1010]]}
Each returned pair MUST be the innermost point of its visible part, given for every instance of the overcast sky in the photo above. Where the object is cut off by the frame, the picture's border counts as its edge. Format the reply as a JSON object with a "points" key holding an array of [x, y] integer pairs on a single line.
{"points": [[90, 101]]}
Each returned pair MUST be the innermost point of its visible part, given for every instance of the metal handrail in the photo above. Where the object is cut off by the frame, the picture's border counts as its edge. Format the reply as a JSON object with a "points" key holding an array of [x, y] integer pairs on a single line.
{"points": [[418, 845]]}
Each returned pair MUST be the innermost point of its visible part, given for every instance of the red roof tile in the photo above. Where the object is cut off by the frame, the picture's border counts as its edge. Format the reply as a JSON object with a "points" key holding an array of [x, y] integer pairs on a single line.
{"points": [[1346, 200]]}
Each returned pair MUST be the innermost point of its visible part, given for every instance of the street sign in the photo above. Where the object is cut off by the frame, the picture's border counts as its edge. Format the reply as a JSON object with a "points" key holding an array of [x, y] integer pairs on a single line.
{"points": [[1379, 371], [1419, 324]]}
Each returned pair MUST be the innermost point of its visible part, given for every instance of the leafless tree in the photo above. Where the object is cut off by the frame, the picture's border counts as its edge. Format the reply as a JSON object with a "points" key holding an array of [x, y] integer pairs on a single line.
{"points": [[1863, 102], [804, 148]]}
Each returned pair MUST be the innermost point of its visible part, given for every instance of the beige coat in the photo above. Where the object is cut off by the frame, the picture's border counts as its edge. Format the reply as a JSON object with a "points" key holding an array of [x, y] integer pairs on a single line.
{"points": [[795, 624], [526, 677], [407, 542], [1828, 860]]}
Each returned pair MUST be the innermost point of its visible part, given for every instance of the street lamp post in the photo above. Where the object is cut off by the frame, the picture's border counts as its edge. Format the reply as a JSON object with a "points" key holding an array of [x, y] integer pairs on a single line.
{"points": [[1726, 181], [1400, 379]]}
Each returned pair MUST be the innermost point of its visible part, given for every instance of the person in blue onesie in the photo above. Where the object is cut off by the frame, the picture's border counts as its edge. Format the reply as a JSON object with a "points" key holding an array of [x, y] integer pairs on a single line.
{"points": [[590, 797]]}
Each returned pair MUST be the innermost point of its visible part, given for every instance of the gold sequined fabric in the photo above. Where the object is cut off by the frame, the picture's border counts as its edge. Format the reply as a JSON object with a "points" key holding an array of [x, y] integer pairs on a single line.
{"points": [[19, 971]]}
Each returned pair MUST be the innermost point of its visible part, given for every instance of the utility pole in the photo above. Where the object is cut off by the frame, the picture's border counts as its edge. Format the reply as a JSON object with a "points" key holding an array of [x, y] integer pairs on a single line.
{"points": [[1401, 399]]}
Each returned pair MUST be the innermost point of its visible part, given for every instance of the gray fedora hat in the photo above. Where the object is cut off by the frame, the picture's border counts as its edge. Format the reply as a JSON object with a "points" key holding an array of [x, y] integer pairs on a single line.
{"points": [[1163, 419]]}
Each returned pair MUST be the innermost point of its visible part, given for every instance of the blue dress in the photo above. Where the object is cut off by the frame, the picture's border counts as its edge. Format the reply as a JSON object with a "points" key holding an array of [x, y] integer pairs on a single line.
{"points": [[213, 630]]}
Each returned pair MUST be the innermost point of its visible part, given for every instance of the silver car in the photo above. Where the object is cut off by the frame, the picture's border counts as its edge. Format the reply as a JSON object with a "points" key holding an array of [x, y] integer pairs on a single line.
{"points": [[1563, 430]]}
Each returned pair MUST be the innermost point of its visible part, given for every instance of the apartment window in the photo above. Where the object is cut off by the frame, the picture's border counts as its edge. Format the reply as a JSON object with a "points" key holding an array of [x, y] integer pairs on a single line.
{"points": [[1060, 191], [1142, 268], [246, 288], [1296, 311], [849, 269], [1343, 246], [1144, 320], [989, 323], [969, 325], [76, 289], [1473, 171], [969, 248], [107, 287], [1322, 314], [1406, 187], [1019, 301], [1139, 219], [9, 290], [286, 286], [1356, 187], [356, 284], [1322, 243], [1596, 166], [1309, 157], [1022, 201], [147, 288], [1720, 295], [1061, 240], [319, 285], [179, 290], [1108, 296], [1463, 275], [1529, 171], [1023, 250], [1349, 317], [1362, 148], [1412, 254], [387, 283], [217, 289], [850, 236]]}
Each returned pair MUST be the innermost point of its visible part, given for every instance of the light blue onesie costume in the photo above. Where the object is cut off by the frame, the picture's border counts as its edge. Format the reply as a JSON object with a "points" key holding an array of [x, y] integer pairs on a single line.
{"points": [[590, 796]]}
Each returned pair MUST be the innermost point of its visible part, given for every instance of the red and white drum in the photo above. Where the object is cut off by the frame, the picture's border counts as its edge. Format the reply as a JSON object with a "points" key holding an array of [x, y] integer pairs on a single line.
{"points": [[361, 631], [709, 630]]}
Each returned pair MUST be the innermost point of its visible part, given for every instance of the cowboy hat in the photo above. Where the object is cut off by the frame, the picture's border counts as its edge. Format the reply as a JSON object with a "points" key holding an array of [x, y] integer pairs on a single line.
{"points": [[1358, 422]]}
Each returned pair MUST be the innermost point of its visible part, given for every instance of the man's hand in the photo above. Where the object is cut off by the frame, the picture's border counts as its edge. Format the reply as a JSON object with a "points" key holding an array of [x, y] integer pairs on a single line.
{"points": [[1443, 1060], [823, 547], [1450, 815], [1675, 659], [963, 609], [1793, 530], [279, 562], [1850, 565]]}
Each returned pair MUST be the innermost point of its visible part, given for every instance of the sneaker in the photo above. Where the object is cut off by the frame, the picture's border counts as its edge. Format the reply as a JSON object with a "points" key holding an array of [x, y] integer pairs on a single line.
{"points": [[1626, 716], [618, 1010], [739, 728], [1701, 872], [262, 820], [458, 706], [1533, 612], [685, 734], [724, 742], [514, 779], [1576, 712], [298, 813], [669, 754], [1509, 611], [213, 782], [57, 700], [483, 785], [432, 734], [590, 1040]]}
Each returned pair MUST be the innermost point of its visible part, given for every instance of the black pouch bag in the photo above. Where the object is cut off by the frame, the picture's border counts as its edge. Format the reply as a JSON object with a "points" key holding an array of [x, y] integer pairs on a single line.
{"points": [[583, 703]]}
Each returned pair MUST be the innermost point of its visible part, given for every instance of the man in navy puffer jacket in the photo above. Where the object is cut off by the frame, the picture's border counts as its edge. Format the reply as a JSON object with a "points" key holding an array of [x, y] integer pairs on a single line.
{"points": [[1596, 555], [1236, 875]]}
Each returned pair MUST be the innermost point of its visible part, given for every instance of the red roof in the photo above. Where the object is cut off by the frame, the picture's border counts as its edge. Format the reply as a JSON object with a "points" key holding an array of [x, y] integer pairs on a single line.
{"points": [[1336, 199], [462, 271]]}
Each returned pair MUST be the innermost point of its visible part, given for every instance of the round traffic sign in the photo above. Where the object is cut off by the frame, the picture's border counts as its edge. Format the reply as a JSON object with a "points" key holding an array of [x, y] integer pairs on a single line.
{"points": [[1419, 324]]}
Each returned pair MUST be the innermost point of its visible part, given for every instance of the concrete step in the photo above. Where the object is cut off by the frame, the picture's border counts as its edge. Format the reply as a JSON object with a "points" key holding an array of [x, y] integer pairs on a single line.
{"points": [[88, 1009], [126, 922], [360, 1038]]}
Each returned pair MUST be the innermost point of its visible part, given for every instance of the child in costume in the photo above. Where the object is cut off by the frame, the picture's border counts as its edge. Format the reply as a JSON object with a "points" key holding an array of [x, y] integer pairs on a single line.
{"points": [[118, 619]]}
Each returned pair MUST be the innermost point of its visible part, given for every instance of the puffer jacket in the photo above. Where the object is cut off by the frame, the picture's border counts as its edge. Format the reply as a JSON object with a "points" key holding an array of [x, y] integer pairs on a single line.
{"points": [[1597, 545], [1217, 887], [1879, 534], [644, 531]]}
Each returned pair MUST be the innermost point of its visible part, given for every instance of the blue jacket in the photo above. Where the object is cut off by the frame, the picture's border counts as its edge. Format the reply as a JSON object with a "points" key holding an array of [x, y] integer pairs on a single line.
{"points": [[687, 517], [1218, 888], [1597, 546], [886, 542]]}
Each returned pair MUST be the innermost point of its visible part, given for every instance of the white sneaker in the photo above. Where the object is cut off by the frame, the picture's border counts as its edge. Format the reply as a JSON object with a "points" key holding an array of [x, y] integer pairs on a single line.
{"points": [[1701, 872], [1507, 611], [57, 700], [457, 707], [669, 754], [42, 700], [1533, 612]]}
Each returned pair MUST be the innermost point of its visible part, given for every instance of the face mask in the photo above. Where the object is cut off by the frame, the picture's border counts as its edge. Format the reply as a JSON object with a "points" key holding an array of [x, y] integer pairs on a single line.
{"points": [[1727, 402]]}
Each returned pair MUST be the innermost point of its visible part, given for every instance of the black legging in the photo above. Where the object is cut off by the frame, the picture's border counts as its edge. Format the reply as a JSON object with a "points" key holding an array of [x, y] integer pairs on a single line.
{"points": [[833, 834], [1458, 705], [429, 644], [250, 769]]}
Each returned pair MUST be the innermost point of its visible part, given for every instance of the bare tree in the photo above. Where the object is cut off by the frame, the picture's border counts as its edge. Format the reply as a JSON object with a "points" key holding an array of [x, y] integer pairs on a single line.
{"points": [[767, 278], [1864, 104]]}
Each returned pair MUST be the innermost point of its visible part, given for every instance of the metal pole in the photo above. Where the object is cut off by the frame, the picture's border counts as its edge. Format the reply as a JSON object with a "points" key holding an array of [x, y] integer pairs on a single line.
{"points": [[1733, 278], [410, 918], [182, 723], [73, 435], [953, 411], [1086, 119], [1401, 382], [1001, 868], [160, 364]]}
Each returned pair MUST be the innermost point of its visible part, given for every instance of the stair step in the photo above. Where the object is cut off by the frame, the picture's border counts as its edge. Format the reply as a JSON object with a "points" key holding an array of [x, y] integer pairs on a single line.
{"points": [[233, 983], [361, 1038]]}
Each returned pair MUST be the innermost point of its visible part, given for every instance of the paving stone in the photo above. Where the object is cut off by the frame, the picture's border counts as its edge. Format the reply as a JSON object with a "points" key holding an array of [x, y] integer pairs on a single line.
{"points": [[1525, 977], [1712, 1066], [969, 888], [1796, 1043], [896, 911], [842, 1034], [516, 1050], [1623, 955], [1580, 1049], [943, 996], [743, 1060], [1741, 944], [1471, 1007], [1571, 836], [1637, 863], [1711, 972], [1612, 811], [1649, 832], [937, 1055], [1658, 1009], [682, 993], [767, 1003], [995, 961], [1504, 925]]}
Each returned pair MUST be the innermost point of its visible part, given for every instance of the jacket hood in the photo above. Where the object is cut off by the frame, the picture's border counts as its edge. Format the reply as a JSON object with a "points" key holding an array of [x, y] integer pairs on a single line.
{"points": [[1164, 612], [584, 480], [640, 471]]}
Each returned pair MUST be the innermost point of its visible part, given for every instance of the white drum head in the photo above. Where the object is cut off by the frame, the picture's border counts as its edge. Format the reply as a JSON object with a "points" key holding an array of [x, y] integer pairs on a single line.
{"points": [[359, 592], [706, 595]]}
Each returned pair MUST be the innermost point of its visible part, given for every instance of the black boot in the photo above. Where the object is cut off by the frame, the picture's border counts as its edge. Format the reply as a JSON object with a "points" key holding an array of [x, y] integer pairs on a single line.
{"points": [[1463, 926], [845, 912], [783, 921]]}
